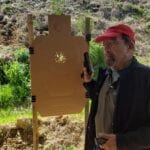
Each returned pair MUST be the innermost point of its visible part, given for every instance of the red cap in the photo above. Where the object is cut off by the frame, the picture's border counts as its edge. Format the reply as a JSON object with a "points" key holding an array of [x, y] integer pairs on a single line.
{"points": [[114, 31]]}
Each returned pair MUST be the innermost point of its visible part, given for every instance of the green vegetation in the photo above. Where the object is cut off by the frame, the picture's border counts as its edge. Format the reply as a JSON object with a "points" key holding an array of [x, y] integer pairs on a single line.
{"points": [[134, 10], [81, 23], [6, 96], [12, 114], [57, 6], [97, 57], [67, 148], [15, 79], [147, 27]]}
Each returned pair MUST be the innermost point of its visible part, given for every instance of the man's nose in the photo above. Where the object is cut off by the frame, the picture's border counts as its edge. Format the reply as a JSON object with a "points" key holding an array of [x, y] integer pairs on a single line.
{"points": [[107, 49]]}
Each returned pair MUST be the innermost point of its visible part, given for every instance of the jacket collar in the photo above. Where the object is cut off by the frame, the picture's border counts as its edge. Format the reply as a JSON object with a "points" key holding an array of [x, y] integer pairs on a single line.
{"points": [[126, 70]]}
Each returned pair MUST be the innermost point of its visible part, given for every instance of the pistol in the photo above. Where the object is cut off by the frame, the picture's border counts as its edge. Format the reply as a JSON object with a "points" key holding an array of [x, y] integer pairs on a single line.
{"points": [[87, 64], [99, 141]]}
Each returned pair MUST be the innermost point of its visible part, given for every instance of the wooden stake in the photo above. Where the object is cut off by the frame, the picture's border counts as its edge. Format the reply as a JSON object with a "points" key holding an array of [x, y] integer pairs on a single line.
{"points": [[34, 110], [87, 36]]}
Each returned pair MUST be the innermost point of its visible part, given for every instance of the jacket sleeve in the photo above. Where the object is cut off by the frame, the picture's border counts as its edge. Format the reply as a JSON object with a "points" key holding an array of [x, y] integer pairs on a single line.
{"points": [[136, 140], [90, 88]]}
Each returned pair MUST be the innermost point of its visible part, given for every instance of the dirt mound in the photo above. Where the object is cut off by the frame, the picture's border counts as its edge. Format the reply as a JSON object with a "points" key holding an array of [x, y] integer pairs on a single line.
{"points": [[55, 133]]}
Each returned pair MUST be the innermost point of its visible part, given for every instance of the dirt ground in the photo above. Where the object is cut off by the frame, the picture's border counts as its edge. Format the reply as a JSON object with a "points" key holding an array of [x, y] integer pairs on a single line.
{"points": [[55, 133]]}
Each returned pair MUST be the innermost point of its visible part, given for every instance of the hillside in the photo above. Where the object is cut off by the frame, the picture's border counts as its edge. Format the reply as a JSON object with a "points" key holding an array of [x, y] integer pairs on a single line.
{"points": [[13, 15]]}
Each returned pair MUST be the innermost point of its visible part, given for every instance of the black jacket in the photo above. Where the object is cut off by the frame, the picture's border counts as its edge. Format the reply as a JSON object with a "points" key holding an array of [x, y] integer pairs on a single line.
{"points": [[132, 113]]}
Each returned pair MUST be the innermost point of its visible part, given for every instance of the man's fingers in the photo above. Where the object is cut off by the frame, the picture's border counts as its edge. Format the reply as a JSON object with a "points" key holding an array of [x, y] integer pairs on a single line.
{"points": [[104, 147], [86, 76], [104, 135], [85, 71]]}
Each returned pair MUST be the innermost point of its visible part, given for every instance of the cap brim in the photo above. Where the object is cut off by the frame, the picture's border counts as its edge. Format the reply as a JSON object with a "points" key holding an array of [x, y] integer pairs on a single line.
{"points": [[105, 36]]}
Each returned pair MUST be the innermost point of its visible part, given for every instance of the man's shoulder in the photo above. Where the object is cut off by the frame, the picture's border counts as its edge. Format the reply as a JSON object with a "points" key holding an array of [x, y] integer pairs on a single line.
{"points": [[143, 67], [142, 71]]}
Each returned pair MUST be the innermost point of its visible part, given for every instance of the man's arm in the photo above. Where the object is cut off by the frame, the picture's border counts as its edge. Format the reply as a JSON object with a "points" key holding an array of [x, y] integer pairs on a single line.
{"points": [[136, 140]]}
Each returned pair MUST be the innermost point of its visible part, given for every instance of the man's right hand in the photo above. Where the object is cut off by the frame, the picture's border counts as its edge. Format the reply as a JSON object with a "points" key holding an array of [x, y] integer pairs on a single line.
{"points": [[86, 77]]}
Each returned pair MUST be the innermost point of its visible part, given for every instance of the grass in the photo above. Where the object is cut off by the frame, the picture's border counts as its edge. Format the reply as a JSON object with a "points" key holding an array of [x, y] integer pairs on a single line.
{"points": [[10, 115]]}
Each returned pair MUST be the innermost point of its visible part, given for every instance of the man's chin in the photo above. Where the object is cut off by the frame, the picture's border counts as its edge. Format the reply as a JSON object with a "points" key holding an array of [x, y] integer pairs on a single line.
{"points": [[110, 63]]}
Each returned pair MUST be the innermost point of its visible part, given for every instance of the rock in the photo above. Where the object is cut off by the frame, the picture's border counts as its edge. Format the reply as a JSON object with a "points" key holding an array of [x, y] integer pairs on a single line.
{"points": [[69, 10], [14, 19], [7, 1], [13, 132], [94, 6], [24, 123], [3, 22], [3, 32], [9, 25], [1, 17], [107, 12]]}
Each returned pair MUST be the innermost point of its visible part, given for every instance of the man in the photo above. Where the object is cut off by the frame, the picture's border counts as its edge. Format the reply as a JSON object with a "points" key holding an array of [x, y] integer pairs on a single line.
{"points": [[120, 109]]}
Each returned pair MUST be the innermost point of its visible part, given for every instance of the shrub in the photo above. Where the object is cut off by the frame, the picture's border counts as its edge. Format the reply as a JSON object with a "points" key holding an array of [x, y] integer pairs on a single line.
{"points": [[135, 10], [57, 6], [3, 78], [147, 27], [22, 55], [19, 79], [81, 23], [97, 57], [6, 96]]}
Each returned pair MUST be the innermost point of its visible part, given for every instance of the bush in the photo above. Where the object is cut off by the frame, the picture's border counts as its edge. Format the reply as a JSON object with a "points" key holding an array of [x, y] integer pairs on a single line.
{"points": [[97, 57], [57, 6], [81, 23], [134, 10], [3, 78], [147, 27], [19, 79], [22, 55], [6, 96]]}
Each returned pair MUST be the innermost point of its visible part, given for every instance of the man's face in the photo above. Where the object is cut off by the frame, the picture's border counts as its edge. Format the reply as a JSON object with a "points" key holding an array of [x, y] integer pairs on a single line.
{"points": [[116, 52]]}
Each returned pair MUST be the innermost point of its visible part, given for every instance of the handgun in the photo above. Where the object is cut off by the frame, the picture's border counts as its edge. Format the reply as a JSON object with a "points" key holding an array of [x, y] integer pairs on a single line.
{"points": [[87, 64]]}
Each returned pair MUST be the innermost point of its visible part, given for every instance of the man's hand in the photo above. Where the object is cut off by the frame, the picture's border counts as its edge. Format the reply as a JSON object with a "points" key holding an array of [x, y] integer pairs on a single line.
{"points": [[86, 76], [110, 144]]}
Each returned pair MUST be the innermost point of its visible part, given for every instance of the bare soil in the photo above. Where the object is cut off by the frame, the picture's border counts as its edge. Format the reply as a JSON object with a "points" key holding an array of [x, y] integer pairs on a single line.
{"points": [[55, 133]]}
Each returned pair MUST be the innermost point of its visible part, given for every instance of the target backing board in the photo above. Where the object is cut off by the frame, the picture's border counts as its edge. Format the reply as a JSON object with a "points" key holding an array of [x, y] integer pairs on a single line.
{"points": [[56, 65]]}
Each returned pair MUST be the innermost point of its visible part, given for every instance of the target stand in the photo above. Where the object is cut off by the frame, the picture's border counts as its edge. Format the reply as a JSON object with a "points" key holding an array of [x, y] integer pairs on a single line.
{"points": [[56, 62]]}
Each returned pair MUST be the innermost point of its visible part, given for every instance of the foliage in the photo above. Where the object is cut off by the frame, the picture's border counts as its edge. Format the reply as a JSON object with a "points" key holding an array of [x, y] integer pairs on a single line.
{"points": [[57, 6], [9, 9], [97, 57], [22, 55], [134, 10], [3, 78], [81, 23], [15, 78], [6, 96], [9, 114], [144, 60], [18, 76], [147, 27], [67, 148]]}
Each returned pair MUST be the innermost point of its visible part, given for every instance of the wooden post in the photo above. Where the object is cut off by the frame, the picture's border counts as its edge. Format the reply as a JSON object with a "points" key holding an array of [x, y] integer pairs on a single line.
{"points": [[34, 110], [88, 38]]}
